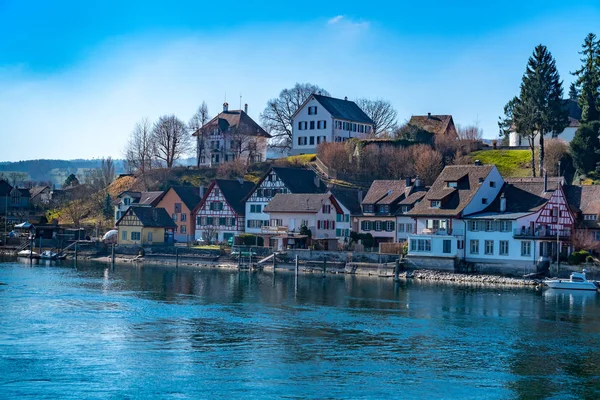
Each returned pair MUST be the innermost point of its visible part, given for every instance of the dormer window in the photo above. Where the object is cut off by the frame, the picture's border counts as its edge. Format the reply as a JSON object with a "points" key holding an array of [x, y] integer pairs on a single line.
{"points": [[435, 203], [451, 184], [484, 201], [492, 184], [405, 209], [368, 208], [590, 217]]}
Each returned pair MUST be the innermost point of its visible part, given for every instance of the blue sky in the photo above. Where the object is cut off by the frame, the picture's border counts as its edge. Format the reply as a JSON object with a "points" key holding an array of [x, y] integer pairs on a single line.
{"points": [[76, 76]]}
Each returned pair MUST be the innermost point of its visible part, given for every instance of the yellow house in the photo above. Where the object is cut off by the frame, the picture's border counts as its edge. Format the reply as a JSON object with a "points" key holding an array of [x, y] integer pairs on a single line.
{"points": [[144, 225]]}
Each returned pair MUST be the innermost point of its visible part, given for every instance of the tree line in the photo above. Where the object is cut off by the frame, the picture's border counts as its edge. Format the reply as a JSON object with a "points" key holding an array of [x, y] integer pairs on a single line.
{"points": [[540, 110]]}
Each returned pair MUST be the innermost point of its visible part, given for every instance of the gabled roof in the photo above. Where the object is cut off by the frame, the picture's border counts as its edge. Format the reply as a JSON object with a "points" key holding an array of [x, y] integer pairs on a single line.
{"points": [[523, 196], [341, 109], [416, 195], [234, 119], [436, 124], [385, 192], [300, 203], [36, 190], [468, 178], [150, 198], [5, 188], [234, 191], [150, 217], [349, 198], [189, 195], [586, 200], [296, 180]]}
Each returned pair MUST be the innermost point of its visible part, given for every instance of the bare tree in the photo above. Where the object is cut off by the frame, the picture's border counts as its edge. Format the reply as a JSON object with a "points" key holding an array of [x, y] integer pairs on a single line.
{"points": [[139, 150], [75, 211], [16, 178], [171, 139], [428, 163], [556, 151], [584, 239], [381, 112], [107, 167], [277, 116], [196, 122], [232, 169]]}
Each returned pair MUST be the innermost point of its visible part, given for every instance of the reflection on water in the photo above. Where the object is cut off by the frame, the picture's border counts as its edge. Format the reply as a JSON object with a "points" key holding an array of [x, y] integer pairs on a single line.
{"points": [[160, 332]]}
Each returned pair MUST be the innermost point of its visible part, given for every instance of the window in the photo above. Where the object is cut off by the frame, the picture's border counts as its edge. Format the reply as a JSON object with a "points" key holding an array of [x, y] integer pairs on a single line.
{"points": [[590, 217], [126, 201], [492, 184], [389, 226], [378, 226], [324, 124], [383, 209], [210, 220], [183, 217], [420, 245], [124, 235], [474, 246], [484, 201], [302, 141], [276, 222], [183, 229], [217, 192], [321, 139], [199, 221], [312, 140], [405, 209], [174, 216], [255, 208], [401, 227], [326, 209], [474, 226], [366, 225], [368, 208], [135, 235], [216, 206], [460, 244], [505, 226], [312, 110], [312, 124], [177, 207], [447, 246], [435, 203], [489, 247], [149, 236], [503, 247], [232, 221], [489, 226], [451, 184], [222, 221], [254, 223], [409, 228], [525, 249]]}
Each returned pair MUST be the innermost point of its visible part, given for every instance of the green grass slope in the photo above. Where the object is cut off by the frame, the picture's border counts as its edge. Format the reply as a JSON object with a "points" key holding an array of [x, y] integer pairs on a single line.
{"points": [[510, 163]]}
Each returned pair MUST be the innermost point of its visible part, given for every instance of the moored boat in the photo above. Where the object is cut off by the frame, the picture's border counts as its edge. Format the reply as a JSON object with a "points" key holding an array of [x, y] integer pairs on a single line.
{"points": [[577, 281], [28, 254]]}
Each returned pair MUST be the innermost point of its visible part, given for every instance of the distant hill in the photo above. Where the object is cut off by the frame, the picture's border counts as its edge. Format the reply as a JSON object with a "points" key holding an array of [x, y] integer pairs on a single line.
{"points": [[55, 171]]}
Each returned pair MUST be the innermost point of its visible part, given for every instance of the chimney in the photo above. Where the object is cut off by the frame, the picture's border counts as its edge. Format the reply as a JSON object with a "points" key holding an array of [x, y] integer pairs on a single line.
{"points": [[246, 108], [417, 181], [240, 181], [478, 163], [428, 115], [201, 191], [408, 181], [502, 203], [346, 98], [545, 181], [225, 107], [317, 181]]}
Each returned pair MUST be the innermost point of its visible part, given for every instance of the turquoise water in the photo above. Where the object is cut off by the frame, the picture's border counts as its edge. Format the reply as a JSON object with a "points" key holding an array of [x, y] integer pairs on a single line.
{"points": [[152, 332]]}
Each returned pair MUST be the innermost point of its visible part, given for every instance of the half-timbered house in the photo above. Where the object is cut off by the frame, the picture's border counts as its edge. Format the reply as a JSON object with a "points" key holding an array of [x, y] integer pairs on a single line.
{"points": [[144, 225], [220, 215], [277, 180]]}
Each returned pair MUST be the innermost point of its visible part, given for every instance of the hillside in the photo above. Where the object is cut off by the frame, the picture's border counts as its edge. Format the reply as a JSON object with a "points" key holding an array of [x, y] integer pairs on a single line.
{"points": [[510, 163]]}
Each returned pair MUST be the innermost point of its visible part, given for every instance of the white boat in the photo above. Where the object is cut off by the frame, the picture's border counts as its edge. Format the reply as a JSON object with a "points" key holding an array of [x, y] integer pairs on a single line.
{"points": [[28, 254], [50, 255], [576, 281]]}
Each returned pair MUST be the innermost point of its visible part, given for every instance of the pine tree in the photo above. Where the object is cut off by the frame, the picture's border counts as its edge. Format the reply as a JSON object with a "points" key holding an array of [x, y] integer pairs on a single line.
{"points": [[107, 210], [574, 92], [539, 109], [588, 79], [585, 146]]}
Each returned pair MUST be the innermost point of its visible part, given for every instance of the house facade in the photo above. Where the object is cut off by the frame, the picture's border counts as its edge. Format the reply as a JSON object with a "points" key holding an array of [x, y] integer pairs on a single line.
{"points": [[231, 135], [585, 203], [128, 198], [291, 214], [14, 203], [277, 180], [460, 190], [327, 119], [179, 202], [40, 196], [220, 215], [144, 225], [350, 203]]}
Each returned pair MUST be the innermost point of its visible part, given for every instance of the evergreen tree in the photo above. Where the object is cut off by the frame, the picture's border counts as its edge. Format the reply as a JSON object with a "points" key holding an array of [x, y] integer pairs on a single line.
{"points": [[107, 209], [574, 92], [539, 109], [588, 79], [71, 181], [585, 146]]}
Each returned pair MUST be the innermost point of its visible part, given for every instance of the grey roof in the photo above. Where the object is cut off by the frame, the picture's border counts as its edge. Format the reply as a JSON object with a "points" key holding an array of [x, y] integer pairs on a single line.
{"points": [[234, 119], [36, 190], [296, 180], [348, 197], [150, 216], [300, 203], [234, 192], [584, 200], [150, 198], [189, 195], [385, 192], [343, 109], [454, 199]]}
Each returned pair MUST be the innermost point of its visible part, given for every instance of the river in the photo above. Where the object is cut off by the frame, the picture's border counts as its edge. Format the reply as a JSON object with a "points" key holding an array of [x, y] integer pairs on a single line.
{"points": [[92, 331]]}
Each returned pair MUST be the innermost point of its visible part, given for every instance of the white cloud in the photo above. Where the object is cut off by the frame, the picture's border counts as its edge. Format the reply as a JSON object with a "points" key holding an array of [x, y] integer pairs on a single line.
{"points": [[335, 19]]}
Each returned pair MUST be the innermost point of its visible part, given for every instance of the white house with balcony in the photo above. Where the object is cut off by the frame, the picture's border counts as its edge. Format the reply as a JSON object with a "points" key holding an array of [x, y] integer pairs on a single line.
{"points": [[291, 215], [327, 119], [459, 191]]}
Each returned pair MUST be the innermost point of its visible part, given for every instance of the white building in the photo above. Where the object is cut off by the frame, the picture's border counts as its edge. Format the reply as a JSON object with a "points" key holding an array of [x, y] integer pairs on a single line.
{"points": [[291, 214], [220, 215], [323, 118], [277, 180], [231, 135], [459, 191], [125, 199], [567, 134]]}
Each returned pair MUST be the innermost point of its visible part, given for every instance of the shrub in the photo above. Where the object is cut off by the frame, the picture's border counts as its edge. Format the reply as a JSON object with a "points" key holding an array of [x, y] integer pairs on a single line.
{"points": [[577, 257], [589, 259]]}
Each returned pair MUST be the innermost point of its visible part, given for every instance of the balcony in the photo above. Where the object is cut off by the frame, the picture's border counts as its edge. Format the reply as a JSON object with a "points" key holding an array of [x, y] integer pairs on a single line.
{"points": [[541, 233], [274, 230], [441, 232]]}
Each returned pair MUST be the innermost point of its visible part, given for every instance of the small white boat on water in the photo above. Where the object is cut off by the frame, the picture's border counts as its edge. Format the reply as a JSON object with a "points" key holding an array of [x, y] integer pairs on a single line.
{"points": [[50, 255], [576, 281], [28, 254]]}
